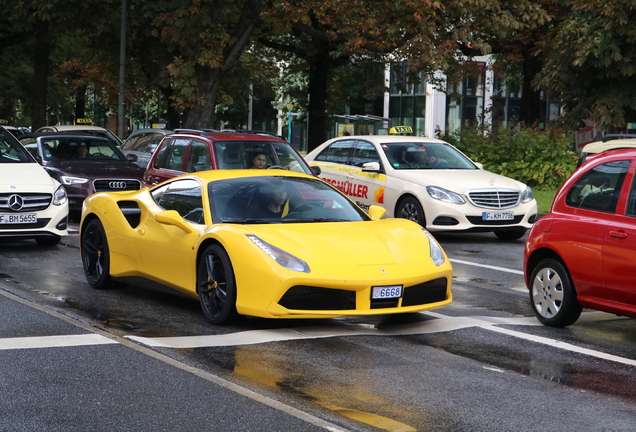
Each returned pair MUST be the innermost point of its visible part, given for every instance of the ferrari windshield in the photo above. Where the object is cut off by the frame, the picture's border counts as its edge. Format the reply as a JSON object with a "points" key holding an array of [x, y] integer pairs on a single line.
{"points": [[279, 199], [423, 155]]}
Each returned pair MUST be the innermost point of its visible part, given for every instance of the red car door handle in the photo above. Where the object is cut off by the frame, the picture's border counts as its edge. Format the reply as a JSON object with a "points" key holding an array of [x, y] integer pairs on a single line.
{"points": [[618, 234]]}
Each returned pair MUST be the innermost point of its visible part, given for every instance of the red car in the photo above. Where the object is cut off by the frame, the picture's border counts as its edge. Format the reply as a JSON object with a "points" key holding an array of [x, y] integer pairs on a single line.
{"points": [[190, 150], [582, 254]]}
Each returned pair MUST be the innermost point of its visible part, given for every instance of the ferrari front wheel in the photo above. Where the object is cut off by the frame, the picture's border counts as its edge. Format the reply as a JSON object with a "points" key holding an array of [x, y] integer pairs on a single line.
{"points": [[96, 255], [216, 285]]}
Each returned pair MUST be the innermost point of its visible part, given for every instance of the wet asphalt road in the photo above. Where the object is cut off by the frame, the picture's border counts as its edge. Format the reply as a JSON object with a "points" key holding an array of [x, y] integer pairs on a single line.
{"points": [[481, 364]]}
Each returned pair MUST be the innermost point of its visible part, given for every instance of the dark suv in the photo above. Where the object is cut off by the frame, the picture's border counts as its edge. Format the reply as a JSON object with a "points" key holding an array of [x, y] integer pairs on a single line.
{"points": [[189, 150]]}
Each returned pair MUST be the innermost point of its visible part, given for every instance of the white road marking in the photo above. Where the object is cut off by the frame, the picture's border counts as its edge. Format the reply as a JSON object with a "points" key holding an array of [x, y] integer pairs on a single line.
{"points": [[503, 269], [54, 341], [443, 323]]}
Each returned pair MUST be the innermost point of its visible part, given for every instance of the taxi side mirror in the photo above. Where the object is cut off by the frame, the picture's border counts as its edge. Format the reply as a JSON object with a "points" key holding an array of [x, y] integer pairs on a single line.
{"points": [[316, 170], [375, 211], [371, 167], [171, 217]]}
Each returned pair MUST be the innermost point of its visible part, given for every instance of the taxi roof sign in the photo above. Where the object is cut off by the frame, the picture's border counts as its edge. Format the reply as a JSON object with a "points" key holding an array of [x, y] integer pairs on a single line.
{"points": [[4, 121], [83, 121], [400, 129]]}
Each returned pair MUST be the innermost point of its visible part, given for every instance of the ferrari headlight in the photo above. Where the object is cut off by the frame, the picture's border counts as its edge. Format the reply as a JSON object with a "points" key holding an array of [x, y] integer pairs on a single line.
{"points": [[67, 180], [527, 195], [437, 254], [283, 258], [445, 195], [60, 197]]}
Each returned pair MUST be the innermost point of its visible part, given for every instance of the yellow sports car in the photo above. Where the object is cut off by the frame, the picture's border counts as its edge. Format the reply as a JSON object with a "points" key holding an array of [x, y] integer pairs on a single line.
{"points": [[267, 243]]}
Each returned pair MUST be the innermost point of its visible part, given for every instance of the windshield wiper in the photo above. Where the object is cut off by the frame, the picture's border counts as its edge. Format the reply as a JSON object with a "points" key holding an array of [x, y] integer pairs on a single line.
{"points": [[305, 220], [247, 221]]}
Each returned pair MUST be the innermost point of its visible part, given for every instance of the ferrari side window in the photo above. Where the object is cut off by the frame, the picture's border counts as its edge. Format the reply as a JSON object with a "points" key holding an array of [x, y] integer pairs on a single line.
{"points": [[183, 196]]}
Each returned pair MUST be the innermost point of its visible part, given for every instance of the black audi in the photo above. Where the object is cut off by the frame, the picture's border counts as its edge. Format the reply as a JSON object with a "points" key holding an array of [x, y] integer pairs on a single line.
{"points": [[84, 164]]}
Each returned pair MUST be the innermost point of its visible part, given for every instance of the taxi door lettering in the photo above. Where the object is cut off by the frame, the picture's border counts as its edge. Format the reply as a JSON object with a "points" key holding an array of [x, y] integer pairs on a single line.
{"points": [[351, 189]]}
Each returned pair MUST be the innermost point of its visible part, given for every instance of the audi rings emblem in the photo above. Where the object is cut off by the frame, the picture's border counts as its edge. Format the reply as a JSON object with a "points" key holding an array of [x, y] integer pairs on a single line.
{"points": [[117, 185], [15, 202]]}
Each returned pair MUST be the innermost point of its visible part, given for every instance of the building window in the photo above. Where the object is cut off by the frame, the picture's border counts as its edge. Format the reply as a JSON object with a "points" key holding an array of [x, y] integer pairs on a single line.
{"points": [[465, 101], [407, 97]]}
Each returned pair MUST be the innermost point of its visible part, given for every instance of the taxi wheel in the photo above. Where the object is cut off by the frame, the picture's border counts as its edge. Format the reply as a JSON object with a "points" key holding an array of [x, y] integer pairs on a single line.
{"points": [[410, 208], [96, 255], [552, 294], [216, 286]]}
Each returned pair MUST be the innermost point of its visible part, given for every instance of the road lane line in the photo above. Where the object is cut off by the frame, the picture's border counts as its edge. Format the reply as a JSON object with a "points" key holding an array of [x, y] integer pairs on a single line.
{"points": [[54, 341], [443, 323], [562, 345], [215, 379], [503, 269]]}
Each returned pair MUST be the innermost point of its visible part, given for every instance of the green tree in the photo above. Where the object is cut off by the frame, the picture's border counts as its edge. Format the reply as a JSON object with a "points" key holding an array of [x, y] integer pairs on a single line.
{"points": [[591, 61]]}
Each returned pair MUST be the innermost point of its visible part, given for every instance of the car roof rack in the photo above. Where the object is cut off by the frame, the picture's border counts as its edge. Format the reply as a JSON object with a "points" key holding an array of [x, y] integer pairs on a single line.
{"points": [[202, 132], [254, 132]]}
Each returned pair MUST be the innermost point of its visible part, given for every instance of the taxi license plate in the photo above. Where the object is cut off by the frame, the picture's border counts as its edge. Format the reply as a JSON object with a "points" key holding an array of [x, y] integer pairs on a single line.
{"points": [[383, 292], [18, 218], [489, 216]]}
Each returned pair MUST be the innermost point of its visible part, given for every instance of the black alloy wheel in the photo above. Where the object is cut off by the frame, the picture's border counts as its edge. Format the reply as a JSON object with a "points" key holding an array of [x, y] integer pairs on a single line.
{"points": [[411, 209], [96, 255], [216, 286]]}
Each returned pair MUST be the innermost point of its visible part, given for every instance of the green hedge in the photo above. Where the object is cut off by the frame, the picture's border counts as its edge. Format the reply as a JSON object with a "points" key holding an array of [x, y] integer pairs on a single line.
{"points": [[540, 159]]}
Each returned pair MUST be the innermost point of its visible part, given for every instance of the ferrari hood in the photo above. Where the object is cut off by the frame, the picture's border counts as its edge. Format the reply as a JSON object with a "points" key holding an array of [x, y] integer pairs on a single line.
{"points": [[384, 242], [25, 177], [460, 180]]}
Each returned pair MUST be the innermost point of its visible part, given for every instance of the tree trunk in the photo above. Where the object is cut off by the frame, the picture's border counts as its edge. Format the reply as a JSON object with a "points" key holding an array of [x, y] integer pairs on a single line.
{"points": [[202, 115], [317, 109], [80, 102], [530, 97], [40, 75]]}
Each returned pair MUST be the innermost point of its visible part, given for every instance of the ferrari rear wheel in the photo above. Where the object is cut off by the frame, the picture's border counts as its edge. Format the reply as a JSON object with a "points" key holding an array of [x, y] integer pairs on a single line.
{"points": [[96, 255], [216, 286]]}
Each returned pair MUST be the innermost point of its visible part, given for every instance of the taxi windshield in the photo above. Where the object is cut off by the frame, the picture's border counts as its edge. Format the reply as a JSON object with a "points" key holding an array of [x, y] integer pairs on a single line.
{"points": [[423, 155], [279, 199]]}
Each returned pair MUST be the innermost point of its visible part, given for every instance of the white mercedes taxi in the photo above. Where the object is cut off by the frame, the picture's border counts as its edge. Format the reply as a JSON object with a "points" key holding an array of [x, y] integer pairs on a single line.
{"points": [[428, 181], [32, 204]]}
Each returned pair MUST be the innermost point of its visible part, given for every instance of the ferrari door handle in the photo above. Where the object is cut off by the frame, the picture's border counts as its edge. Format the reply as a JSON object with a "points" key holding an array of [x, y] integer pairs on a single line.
{"points": [[618, 234]]}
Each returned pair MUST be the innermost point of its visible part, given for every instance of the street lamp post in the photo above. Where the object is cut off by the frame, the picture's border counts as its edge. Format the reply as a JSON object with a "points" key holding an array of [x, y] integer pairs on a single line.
{"points": [[289, 122]]}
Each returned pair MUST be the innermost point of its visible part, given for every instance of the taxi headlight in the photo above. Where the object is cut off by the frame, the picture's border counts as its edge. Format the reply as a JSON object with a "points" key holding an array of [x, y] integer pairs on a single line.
{"points": [[437, 254], [283, 258], [445, 195], [60, 197], [67, 180], [527, 195]]}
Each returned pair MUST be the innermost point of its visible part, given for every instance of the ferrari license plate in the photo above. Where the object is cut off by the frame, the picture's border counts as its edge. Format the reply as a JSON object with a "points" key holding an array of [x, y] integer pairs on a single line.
{"points": [[18, 218], [383, 292], [490, 216]]}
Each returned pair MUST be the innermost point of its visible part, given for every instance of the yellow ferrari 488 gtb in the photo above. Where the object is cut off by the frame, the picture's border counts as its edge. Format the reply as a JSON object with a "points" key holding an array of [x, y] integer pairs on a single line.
{"points": [[266, 243]]}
